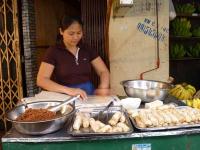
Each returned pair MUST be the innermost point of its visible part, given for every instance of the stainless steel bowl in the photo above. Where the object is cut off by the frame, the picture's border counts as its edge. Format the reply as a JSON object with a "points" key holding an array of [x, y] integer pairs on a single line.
{"points": [[41, 127], [147, 90]]}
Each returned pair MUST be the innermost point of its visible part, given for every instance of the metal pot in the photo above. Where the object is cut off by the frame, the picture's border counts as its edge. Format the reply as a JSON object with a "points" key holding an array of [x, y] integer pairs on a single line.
{"points": [[41, 127], [147, 90]]}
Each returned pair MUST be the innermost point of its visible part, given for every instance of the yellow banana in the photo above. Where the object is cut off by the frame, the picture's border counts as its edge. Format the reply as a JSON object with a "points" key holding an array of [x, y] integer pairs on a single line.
{"points": [[187, 94], [191, 88], [182, 95], [195, 103], [189, 102], [175, 88], [177, 92], [191, 91]]}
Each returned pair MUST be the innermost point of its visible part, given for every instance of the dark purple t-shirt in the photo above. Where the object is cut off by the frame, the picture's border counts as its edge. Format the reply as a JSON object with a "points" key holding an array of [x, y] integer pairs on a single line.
{"points": [[66, 70]]}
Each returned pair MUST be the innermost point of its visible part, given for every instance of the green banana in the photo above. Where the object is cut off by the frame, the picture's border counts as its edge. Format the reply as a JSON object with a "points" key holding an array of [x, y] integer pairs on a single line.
{"points": [[194, 51], [185, 8], [177, 51], [181, 27]]}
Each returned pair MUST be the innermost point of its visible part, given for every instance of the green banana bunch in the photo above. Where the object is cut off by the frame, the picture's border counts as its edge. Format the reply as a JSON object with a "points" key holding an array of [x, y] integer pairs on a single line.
{"points": [[189, 51], [181, 27], [194, 51], [177, 51], [185, 8], [196, 32]]}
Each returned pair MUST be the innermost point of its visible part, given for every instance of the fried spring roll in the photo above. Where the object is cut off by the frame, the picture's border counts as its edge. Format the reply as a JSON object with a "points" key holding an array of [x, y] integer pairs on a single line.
{"points": [[122, 118], [115, 118], [123, 126], [94, 126], [139, 122], [101, 124], [77, 122], [145, 119], [106, 128], [86, 120]]}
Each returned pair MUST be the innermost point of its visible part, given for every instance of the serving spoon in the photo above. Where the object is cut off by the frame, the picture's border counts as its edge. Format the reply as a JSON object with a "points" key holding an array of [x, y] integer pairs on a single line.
{"points": [[58, 107]]}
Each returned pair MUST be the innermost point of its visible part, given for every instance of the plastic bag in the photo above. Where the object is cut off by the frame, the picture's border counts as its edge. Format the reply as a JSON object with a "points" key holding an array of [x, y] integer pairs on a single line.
{"points": [[172, 12]]}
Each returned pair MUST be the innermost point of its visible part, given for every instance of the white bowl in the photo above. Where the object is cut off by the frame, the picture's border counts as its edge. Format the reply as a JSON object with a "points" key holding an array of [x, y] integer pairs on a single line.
{"points": [[130, 103]]}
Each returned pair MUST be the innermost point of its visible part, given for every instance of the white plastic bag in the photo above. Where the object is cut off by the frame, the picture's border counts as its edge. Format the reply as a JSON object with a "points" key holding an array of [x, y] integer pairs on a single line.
{"points": [[172, 12]]}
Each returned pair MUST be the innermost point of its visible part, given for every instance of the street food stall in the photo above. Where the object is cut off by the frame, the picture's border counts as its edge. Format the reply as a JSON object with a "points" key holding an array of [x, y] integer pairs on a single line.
{"points": [[161, 122], [168, 126]]}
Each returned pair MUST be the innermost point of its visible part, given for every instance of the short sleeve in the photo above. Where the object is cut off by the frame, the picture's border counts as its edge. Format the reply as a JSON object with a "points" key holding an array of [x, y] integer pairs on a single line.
{"points": [[50, 56], [93, 54]]}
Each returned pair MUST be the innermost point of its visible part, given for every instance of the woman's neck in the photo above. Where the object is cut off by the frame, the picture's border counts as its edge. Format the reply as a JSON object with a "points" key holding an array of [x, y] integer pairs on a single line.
{"points": [[70, 48]]}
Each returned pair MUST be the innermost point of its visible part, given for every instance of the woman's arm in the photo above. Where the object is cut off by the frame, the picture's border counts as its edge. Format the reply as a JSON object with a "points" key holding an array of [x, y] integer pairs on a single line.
{"points": [[102, 72], [44, 81]]}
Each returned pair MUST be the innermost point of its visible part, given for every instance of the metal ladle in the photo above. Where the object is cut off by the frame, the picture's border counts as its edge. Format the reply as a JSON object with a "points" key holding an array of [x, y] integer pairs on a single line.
{"points": [[58, 107], [101, 113]]}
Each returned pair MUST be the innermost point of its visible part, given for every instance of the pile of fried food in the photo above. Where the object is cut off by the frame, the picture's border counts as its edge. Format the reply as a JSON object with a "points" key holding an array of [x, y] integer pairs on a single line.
{"points": [[117, 123], [166, 116]]}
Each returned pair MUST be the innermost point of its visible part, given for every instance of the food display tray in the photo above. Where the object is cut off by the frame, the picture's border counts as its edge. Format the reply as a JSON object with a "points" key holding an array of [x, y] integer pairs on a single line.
{"points": [[183, 126], [94, 112]]}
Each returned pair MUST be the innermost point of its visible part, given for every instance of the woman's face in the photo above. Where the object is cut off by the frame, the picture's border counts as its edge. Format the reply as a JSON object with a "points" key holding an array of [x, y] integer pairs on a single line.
{"points": [[72, 35]]}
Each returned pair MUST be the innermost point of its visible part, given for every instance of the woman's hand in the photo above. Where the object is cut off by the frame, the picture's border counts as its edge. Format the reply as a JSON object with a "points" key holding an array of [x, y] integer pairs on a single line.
{"points": [[77, 91], [103, 92]]}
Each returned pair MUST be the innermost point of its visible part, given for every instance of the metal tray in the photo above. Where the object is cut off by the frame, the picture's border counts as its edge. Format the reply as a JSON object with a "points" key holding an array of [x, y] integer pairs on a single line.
{"points": [[94, 113], [167, 127]]}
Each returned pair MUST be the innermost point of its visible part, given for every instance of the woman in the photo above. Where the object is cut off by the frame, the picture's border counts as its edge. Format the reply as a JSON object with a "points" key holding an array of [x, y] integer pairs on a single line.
{"points": [[66, 67]]}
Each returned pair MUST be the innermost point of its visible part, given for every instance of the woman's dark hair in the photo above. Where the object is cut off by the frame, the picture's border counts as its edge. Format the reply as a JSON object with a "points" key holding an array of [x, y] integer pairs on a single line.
{"points": [[68, 20], [65, 22]]}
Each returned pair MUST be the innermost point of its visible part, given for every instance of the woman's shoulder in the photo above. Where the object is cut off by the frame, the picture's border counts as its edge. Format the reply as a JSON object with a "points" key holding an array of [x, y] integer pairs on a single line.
{"points": [[86, 47], [92, 52], [51, 54], [83, 46]]}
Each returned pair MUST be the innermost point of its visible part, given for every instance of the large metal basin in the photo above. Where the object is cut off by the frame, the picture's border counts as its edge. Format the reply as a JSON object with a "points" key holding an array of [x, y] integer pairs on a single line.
{"points": [[147, 90], [41, 127]]}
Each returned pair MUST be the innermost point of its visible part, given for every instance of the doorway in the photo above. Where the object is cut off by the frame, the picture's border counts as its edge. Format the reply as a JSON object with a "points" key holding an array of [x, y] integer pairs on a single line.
{"points": [[93, 14]]}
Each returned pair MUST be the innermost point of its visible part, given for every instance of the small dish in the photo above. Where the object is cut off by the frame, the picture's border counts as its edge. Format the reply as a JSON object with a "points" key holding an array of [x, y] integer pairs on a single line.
{"points": [[130, 103]]}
